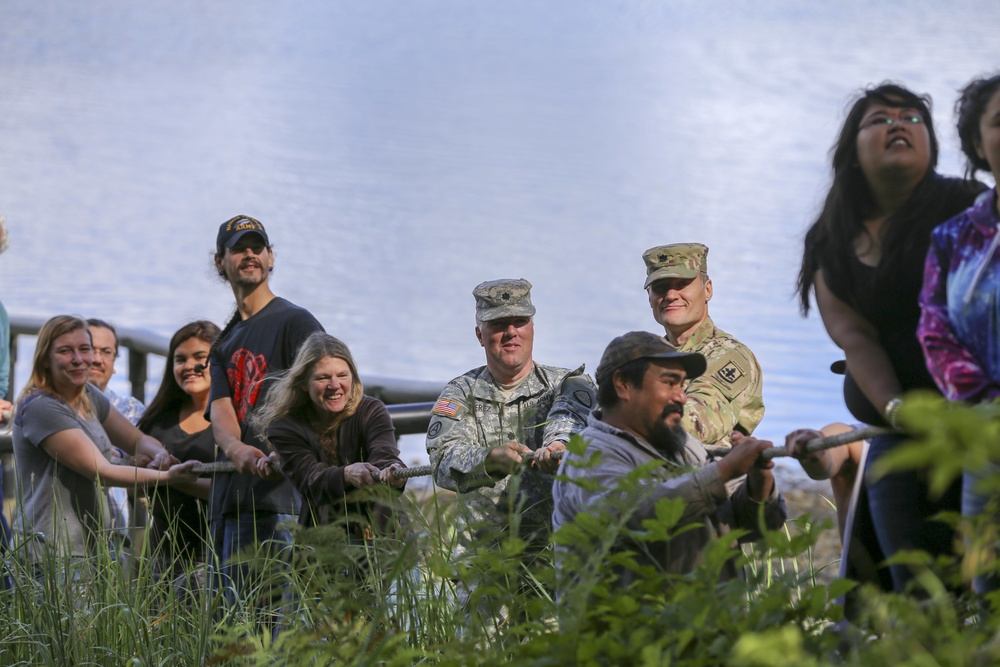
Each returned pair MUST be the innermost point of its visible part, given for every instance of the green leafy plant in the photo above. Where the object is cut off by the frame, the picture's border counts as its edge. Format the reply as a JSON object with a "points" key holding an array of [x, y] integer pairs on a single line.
{"points": [[400, 594]]}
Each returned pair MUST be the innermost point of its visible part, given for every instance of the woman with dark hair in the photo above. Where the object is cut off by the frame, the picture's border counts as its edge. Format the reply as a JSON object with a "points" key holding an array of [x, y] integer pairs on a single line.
{"points": [[331, 438], [960, 301], [863, 259], [64, 433], [176, 417]]}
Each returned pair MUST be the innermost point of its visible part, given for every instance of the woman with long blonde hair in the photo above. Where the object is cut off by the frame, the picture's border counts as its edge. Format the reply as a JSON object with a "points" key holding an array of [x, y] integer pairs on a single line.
{"points": [[65, 430], [331, 437]]}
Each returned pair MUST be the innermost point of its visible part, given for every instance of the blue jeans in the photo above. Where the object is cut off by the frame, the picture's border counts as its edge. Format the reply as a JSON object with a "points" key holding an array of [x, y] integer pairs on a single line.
{"points": [[901, 509], [247, 535], [974, 503]]}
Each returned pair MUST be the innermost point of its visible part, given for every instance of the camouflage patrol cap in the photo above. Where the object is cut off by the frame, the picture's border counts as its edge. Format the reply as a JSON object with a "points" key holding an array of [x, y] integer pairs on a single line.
{"points": [[509, 297], [677, 260], [644, 345]]}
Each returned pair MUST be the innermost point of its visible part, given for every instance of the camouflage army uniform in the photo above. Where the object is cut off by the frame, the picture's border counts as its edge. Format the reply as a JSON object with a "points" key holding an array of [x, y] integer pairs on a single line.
{"points": [[728, 394], [472, 417]]}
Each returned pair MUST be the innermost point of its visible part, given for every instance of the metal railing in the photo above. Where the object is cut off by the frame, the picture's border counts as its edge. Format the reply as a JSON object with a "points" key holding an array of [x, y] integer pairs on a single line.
{"points": [[409, 401]]}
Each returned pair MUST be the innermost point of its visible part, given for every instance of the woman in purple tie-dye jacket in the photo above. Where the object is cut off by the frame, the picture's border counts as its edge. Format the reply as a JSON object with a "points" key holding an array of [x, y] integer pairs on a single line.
{"points": [[960, 302]]}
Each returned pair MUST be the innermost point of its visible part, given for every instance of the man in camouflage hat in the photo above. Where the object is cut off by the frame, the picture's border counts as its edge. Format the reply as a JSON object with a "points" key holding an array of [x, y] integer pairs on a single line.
{"points": [[728, 396], [486, 419], [641, 381]]}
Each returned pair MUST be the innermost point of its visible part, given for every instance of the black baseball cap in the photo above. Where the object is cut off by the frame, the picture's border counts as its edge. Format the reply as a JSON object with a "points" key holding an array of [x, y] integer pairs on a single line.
{"points": [[234, 229]]}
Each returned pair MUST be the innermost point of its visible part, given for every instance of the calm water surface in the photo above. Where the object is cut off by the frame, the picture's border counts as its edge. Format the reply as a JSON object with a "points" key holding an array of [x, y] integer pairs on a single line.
{"points": [[401, 152]]}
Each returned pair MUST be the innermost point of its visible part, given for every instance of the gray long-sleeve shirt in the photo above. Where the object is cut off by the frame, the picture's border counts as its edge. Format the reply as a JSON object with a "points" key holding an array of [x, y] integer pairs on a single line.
{"points": [[717, 506]]}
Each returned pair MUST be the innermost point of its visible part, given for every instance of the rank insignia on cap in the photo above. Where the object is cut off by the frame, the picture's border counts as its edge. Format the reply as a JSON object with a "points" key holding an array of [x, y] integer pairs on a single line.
{"points": [[675, 260], [446, 408], [730, 372], [507, 297]]}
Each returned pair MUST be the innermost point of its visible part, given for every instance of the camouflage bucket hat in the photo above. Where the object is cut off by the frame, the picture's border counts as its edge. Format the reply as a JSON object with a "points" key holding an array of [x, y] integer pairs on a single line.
{"points": [[644, 345], [497, 299], [677, 260]]}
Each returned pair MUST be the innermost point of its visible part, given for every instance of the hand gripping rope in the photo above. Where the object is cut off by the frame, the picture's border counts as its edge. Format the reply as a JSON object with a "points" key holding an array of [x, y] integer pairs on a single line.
{"points": [[814, 445]]}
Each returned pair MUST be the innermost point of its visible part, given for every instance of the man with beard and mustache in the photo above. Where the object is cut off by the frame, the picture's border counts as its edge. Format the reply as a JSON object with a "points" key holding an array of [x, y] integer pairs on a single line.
{"points": [[253, 505], [640, 383]]}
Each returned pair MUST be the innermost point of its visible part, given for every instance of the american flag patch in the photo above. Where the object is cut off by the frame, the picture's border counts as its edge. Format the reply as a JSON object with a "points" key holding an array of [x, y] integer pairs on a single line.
{"points": [[446, 408]]}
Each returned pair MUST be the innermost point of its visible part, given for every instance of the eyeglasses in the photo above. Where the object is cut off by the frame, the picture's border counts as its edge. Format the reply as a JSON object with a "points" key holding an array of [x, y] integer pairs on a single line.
{"points": [[105, 352], [903, 118]]}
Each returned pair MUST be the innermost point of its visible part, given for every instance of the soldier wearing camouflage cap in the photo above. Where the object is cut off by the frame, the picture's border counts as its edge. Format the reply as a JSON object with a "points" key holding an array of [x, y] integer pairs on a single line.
{"points": [[486, 419], [728, 396], [498, 299]]}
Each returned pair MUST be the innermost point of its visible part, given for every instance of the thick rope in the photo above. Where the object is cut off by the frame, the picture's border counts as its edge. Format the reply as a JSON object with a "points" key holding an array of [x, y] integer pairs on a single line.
{"points": [[814, 445]]}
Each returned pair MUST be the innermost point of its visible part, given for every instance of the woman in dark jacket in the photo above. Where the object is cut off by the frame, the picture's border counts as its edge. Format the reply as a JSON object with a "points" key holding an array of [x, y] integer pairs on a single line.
{"points": [[332, 439]]}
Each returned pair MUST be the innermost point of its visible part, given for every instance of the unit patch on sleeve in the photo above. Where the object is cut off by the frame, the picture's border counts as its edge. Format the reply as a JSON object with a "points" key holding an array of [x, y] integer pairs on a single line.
{"points": [[730, 373]]}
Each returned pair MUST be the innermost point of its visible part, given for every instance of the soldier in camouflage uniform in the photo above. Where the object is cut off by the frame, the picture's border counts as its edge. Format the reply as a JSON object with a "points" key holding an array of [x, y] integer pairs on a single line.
{"points": [[487, 418], [727, 396]]}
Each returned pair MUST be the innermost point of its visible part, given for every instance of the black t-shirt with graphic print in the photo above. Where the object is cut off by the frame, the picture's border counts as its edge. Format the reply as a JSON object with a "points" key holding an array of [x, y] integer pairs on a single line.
{"points": [[241, 367]]}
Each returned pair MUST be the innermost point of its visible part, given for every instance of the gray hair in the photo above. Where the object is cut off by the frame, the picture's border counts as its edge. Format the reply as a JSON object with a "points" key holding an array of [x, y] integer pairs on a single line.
{"points": [[290, 392]]}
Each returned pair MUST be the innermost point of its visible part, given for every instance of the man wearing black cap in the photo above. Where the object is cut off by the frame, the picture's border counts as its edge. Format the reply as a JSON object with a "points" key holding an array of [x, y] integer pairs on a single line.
{"points": [[261, 339], [640, 384]]}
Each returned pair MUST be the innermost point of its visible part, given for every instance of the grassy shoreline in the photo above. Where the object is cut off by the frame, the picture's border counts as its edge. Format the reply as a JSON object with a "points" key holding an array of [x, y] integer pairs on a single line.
{"points": [[394, 599]]}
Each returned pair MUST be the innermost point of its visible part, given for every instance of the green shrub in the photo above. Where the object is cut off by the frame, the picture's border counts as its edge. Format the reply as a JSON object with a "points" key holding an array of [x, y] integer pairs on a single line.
{"points": [[403, 597]]}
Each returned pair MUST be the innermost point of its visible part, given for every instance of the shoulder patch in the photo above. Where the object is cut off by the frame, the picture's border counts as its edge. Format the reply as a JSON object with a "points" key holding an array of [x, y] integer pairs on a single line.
{"points": [[730, 373], [447, 407], [434, 430], [584, 398]]}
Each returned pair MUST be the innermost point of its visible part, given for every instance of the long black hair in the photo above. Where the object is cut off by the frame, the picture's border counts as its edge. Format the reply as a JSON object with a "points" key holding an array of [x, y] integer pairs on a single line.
{"points": [[970, 108], [170, 398], [829, 242]]}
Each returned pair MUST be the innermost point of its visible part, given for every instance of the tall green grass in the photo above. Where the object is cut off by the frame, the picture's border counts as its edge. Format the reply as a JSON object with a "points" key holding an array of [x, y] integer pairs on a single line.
{"points": [[397, 599]]}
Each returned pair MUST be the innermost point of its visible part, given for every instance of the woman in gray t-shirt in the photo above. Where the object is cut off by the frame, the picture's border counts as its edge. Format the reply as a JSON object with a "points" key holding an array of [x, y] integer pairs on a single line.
{"points": [[64, 431]]}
